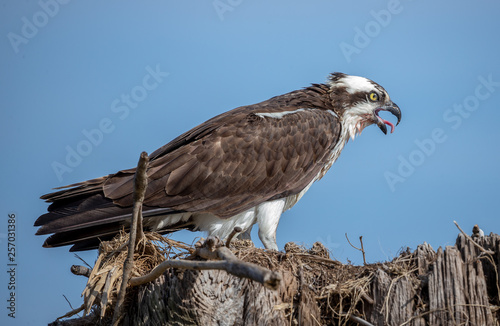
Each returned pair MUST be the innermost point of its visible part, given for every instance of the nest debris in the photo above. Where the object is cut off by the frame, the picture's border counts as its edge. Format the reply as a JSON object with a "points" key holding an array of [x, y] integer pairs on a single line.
{"points": [[105, 278], [340, 293], [339, 290]]}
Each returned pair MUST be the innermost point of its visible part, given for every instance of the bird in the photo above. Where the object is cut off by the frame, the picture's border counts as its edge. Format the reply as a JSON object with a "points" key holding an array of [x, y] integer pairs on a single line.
{"points": [[243, 167]]}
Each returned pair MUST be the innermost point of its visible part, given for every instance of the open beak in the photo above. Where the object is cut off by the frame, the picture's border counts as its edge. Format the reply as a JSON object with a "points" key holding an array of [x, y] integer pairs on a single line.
{"points": [[381, 123]]}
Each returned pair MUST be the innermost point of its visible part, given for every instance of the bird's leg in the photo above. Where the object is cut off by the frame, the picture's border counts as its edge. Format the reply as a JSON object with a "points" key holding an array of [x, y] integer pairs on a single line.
{"points": [[268, 217], [269, 240]]}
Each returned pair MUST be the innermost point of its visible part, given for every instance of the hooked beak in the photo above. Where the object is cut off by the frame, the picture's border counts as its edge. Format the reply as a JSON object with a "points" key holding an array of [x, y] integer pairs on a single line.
{"points": [[381, 123]]}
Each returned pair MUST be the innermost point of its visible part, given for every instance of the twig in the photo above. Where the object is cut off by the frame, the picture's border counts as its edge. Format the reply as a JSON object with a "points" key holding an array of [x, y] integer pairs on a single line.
{"points": [[72, 312], [68, 302], [366, 297], [424, 314], [236, 230], [362, 249], [140, 184], [81, 270], [351, 243], [474, 242], [83, 261], [227, 261], [251, 271], [268, 279], [315, 320], [360, 321], [315, 258]]}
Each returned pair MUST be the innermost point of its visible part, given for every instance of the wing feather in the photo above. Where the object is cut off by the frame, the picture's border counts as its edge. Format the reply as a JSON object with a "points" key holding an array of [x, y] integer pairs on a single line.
{"points": [[224, 166], [242, 159]]}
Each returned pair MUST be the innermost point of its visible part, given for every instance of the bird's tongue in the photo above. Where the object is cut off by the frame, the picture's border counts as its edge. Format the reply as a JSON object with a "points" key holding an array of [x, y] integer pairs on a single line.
{"points": [[387, 123]]}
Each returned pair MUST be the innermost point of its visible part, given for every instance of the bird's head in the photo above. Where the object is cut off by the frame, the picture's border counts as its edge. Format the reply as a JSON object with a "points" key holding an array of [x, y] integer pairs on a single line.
{"points": [[358, 101]]}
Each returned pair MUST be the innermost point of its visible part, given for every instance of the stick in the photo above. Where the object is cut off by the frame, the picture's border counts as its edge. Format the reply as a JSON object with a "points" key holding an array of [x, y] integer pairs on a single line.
{"points": [[72, 312], [268, 279], [236, 230], [362, 249], [473, 242], [228, 262], [140, 184], [360, 321], [69, 303], [81, 270], [251, 271], [83, 261]]}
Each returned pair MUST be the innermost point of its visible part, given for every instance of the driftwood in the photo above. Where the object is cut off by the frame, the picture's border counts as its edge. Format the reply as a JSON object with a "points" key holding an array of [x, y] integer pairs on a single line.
{"points": [[457, 285]]}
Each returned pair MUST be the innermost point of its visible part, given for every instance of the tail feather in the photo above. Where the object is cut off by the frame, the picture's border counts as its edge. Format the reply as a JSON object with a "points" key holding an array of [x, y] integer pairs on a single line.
{"points": [[89, 218], [83, 218], [90, 243], [68, 207], [82, 235], [86, 238], [75, 190], [82, 214]]}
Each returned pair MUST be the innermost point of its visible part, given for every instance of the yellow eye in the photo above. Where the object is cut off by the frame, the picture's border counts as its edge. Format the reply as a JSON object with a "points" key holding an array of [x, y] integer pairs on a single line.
{"points": [[373, 97]]}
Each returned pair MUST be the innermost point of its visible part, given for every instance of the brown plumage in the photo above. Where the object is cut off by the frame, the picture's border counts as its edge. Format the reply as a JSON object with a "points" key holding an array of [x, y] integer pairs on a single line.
{"points": [[223, 167]]}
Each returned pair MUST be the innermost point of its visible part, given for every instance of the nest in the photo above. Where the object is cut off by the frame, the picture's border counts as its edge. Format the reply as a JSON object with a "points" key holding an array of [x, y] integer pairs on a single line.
{"points": [[340, 291], [105, 279], [336, 291]]}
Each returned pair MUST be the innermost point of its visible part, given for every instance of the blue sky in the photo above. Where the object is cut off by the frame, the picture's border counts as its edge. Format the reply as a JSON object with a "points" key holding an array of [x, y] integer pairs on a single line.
{"points": [[77, 103]]}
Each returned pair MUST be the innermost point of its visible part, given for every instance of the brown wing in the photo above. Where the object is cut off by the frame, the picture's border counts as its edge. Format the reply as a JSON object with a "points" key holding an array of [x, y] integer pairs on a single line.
{"points": [[224, 166], [236, 164]]}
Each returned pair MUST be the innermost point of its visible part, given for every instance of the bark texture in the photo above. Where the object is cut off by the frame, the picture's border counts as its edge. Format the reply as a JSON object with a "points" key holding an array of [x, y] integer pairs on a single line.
{"points": [[204, 298], [458, 285]]}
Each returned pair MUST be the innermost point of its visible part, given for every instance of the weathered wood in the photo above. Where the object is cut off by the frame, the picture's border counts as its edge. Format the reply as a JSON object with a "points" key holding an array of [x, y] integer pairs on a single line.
{"points": [[205, 298], [393, 300], [457, 285], [451, 287]]}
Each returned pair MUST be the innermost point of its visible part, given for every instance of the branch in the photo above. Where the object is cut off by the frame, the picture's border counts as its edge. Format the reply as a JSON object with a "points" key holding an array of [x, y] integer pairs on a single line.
{"points": [[81, 270], [140, 184], [473, 242], [251, 271], [226, 261], [236, 230], [362, 249], [359, 320], [72, 312]]}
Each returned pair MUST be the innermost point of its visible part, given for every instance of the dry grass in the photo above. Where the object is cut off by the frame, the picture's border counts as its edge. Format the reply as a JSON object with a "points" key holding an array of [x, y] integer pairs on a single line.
{"points": [[102, 286], [340, 290], [338, 293]]}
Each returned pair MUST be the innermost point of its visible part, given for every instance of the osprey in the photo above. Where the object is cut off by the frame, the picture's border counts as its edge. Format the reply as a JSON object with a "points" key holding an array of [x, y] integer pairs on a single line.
{"points": [[243, 167]]}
